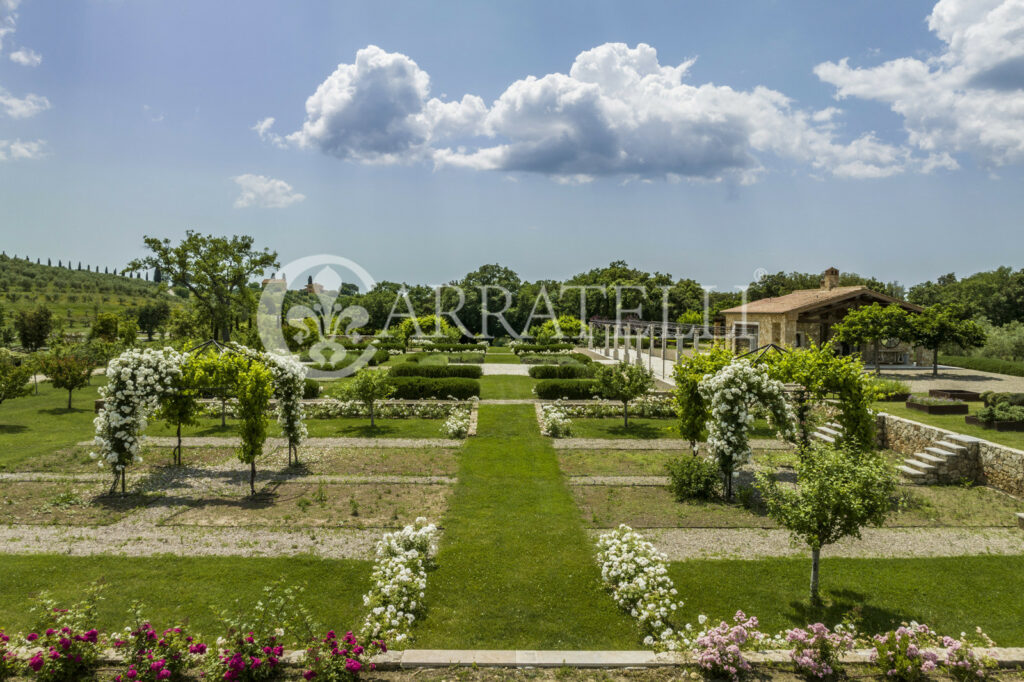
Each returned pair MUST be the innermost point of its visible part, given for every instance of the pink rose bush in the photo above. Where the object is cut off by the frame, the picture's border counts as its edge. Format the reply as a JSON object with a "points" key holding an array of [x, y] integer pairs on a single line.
{"points": [[718, 649], [152, 657], [902, 654], [9, 664], [817, 650], [339, 660]]}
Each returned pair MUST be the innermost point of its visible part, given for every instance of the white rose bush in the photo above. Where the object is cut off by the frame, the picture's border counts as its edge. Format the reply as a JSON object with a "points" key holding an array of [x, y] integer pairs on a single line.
{"points": [[399, 578]]}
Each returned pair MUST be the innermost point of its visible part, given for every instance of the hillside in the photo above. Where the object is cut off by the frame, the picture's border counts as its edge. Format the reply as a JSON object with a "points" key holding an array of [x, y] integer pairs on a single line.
{"points": [[73, 295]]}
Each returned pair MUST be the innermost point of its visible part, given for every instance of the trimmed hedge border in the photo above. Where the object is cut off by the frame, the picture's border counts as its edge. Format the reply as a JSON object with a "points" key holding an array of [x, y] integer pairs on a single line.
{"points": [[561, 371], [570, 389], [993, 365], [540, 348], [450, 347], [414, 369], [418, 388]]}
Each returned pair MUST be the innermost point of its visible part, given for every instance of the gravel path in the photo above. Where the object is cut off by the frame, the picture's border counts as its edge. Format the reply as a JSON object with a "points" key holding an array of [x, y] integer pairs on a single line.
{"points": [[491, 368], [921, 379], [651, 444], [619, 480], [680, 544], [217, 441], [509, 401]]}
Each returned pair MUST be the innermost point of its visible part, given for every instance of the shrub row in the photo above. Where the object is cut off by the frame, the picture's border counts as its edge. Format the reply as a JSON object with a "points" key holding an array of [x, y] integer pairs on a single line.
{"points": [[995, 365], [991, 399], [450, 347], [417, 388], [572, 389], [541, 347], [378, 358], [573, 371], [413, 369]]}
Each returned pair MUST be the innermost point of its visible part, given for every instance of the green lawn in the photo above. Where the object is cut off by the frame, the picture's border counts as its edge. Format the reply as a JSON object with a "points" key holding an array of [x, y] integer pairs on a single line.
{"points": [[340, 427], [516, 569], [643, 428], [952, 595], [35, 426], [179, 589], [507, 358], [954, 422], [506, 386]]}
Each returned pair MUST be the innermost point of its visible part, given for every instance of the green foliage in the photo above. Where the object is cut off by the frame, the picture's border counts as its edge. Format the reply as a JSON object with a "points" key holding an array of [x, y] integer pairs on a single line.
{"points": [[566, 326], [938, 326], [693, 478], [570, 389], [997, 295], [691, 317], [992, 398], [67, 368], [414, 369], [181, 407], [105, 327], [370, 385], [1001, 412], [839, 491], [985, 364], [451, 347], [522, 348], [254, 389], [887, 389], [562, 371], [33, 327], [418, 388], [310, 389], [215, 270], [691, 407], [430, 326], [152, 316], [872, 324], [623, 382], [13, 377]]}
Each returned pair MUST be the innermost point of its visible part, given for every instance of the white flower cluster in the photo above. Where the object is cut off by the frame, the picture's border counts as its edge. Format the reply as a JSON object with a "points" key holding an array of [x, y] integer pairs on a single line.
{"points": [[554, 421], [636, 574], [399, 579], [732, 392], [136, 381], [457, 424], [652, 406], [330, 408]]}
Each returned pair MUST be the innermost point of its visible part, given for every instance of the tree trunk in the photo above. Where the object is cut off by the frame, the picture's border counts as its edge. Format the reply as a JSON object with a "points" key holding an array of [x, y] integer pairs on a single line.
{"points": [[177, 450], [878, 364], [935, 361], [371, 415], [693, 447], [223, 410], [625, 415], [122, 481], [815, 556], [252, 477], [69, 398], [728, 484]]}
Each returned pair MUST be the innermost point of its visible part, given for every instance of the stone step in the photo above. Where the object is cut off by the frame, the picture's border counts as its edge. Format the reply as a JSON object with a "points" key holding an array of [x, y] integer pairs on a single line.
{"points": [[910, 472], [940, 452], [951, 447], [930, 458], [835, 425], [822, 437], [829, 431], [923, 467]]}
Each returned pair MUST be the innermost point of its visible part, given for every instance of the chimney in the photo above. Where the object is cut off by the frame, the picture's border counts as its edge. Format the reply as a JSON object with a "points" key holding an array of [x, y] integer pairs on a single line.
{"points": [[831, 279]]}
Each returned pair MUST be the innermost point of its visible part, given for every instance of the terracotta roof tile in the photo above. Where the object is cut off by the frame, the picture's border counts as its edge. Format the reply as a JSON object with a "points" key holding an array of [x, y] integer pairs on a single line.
{"points": [[804, 299]]}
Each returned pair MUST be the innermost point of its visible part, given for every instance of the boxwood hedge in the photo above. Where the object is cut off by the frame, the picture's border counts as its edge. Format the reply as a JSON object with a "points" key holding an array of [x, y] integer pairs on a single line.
{"points": [[572, 389], [413, 369], [573, 371], [417, 388]]}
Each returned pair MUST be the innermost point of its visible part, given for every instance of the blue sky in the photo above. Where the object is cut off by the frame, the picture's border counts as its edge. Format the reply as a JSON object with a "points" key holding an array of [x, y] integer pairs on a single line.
{"points": [[132, 117]]}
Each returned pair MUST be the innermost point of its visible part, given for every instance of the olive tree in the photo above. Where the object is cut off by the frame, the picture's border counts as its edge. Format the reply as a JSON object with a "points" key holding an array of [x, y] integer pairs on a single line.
{"points": [[839, 491], [13, 377], [370, 385], [624, 382], [938, 325], [691, 407], [873, 324], [67, 368]]}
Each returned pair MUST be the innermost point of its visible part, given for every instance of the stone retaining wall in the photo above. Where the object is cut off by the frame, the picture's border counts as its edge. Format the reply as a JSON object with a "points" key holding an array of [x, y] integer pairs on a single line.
{"points": [[986, 462]]}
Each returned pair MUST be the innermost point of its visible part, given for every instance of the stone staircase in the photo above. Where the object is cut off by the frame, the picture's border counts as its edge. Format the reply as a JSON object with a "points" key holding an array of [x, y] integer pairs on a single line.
{"points": [[939, 462]]}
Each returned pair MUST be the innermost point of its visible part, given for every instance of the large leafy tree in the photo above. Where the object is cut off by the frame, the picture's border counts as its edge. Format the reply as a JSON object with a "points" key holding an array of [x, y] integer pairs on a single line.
{"points": [[997, 295], [68, 369], [838, 492], [215, 270], [873, 324], [624, 382], [153, 316], [33, 327], [938, 325]]}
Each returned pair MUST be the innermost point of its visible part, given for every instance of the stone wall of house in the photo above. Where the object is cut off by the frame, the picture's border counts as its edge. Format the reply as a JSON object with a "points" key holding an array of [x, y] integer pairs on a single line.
{"points": [[985, 462]]}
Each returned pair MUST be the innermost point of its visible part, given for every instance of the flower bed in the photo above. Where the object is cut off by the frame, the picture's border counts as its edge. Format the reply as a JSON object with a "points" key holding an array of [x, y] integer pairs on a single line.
{"points": [[996, 425], [937, 405], [954, 394]]}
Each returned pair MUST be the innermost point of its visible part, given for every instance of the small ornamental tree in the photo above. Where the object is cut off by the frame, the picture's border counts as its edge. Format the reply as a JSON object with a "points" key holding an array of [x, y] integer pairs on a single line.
{"points": [[254, 388], [937, 326], [431, 327], [691, 407], [105, 327], [67, 368], [13, 377], [624, 382], [873, 324], [732, 393], [839, 491], [153, 316], [370, 385], [128, 332], [180, 407]]}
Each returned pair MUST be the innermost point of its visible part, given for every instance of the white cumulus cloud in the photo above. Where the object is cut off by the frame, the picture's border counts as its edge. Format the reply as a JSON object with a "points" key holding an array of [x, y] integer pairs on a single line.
{"points": [[967, 99], [17, 150], [264, 192], [22, 107], [26, 57], [618, 112]]}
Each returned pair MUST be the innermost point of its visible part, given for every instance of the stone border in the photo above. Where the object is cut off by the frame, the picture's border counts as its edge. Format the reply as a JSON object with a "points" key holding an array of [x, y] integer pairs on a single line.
{"points": [[344, 442]]}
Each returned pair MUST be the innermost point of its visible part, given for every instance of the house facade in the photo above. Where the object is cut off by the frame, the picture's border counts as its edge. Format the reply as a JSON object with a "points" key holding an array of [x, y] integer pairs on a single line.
{"points": [[807, 316]]}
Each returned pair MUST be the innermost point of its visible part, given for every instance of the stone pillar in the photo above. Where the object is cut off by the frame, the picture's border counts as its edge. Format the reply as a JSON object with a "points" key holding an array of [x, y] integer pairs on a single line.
{"points": [[590, 336], [625, 346], [607, 335], [615, 345]]}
